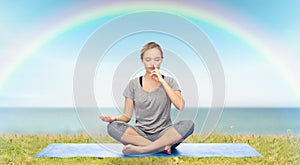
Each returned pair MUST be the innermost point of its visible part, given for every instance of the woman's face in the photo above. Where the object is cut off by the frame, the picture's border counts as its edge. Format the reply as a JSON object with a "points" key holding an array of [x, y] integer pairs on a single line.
{"points": [[152, 57]]}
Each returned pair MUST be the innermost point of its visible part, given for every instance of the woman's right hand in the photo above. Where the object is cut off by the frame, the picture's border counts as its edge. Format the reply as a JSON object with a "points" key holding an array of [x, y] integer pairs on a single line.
{"points": [[108, 118]]}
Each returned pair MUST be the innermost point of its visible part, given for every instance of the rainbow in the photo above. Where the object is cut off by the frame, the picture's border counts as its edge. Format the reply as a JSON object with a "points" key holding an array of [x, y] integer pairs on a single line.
{"points": [[205, 14]]}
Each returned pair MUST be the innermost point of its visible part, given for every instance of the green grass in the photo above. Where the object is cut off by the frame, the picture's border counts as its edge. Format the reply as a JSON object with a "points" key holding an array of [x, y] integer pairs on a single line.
{"points": [[21, 149]]}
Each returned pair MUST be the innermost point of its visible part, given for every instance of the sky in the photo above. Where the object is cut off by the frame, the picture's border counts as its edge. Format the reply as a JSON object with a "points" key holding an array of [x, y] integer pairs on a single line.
{"points": [[257, 43]]}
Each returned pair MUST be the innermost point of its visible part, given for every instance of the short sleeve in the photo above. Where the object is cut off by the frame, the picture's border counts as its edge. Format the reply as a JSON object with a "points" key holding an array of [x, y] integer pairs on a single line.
{"points": [[174, 85], [129, 90]]}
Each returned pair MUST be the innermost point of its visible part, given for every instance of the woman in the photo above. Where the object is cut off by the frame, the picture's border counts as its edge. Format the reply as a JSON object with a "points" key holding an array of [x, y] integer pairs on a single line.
{"points": [[151, 96]]}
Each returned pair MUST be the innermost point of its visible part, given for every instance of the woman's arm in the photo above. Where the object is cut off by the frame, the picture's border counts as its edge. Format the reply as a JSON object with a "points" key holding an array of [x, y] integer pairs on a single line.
{"points": [[127, 113], [175, 96]]}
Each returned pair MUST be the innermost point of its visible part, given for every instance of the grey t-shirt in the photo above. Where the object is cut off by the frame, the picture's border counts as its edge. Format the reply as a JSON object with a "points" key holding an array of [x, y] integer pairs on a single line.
{"points": [[152, 109]]}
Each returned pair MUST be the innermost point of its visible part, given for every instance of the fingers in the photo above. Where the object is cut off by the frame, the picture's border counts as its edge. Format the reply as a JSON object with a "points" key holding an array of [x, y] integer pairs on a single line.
{"points": [[106, 118], [155, 70], [155, 73]]}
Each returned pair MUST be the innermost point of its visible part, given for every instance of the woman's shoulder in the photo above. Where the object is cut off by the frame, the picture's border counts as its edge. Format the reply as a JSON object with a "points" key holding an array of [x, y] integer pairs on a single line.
{"points": [[172, 82], [169, 79], [134, 80]]}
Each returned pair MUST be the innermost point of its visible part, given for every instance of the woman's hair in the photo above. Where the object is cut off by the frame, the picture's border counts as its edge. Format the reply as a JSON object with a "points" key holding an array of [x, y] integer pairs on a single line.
{"points": [[151, 45]]}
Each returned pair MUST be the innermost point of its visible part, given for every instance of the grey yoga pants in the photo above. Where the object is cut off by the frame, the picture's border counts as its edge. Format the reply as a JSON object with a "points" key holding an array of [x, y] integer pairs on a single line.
{"points": [[116, 129]]}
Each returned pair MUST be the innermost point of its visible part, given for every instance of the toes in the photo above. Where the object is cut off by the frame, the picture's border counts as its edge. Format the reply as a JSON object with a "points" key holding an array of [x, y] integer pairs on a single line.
{"points": [[125, 148], [168, 149]]}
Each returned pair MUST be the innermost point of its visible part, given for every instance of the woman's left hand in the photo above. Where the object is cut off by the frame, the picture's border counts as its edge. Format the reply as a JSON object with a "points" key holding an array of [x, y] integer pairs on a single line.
{"points": [[155, 74]]}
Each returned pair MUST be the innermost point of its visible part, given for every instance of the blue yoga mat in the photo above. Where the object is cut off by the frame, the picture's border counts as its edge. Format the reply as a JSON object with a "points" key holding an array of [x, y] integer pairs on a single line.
{"points": [[64, 150]]}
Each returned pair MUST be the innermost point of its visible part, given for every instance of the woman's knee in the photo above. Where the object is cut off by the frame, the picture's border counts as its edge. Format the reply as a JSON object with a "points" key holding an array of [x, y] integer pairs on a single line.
{"points": [[116, 129], [190, 124], [185, 128]]}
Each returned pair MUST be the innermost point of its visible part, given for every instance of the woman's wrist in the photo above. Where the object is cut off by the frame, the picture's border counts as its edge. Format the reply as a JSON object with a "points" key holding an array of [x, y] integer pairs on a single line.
{"points": [[163, 82]]}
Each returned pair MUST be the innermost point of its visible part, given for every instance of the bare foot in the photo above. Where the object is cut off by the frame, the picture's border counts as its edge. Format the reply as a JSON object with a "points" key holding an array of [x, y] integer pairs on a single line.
{"points": [[131, 149], [168, 150]]}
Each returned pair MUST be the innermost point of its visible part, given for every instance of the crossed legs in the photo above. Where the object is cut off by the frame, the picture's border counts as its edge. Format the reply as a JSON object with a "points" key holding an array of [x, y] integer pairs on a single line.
{"points": [[170, 137], [130, 136], [135, 143]]}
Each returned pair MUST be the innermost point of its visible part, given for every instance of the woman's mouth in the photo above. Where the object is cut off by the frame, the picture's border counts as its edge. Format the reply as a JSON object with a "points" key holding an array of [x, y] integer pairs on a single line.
{"points": [[151, 68]]}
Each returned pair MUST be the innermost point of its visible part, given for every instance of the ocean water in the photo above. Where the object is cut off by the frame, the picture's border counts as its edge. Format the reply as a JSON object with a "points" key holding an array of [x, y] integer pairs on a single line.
{"points": [[258, 121]]}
